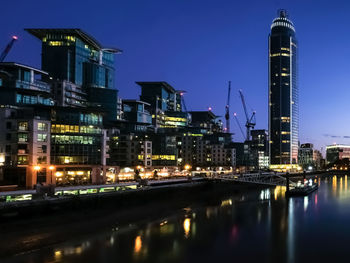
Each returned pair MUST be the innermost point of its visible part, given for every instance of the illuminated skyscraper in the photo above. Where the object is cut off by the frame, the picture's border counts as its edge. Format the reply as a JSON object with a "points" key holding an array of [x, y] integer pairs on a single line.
{"points": [[283, 92]]}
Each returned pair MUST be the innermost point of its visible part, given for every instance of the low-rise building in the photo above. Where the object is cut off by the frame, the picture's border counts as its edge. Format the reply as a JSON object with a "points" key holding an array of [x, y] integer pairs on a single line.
{"points": [[336, 153]]}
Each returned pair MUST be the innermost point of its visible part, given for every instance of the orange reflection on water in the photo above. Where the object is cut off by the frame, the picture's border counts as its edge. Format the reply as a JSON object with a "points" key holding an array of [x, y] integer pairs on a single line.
{"points": [[334, 184], [341, 185], [58, 254], [279, 192], [138, 245], [187, 226], [346, 182]]}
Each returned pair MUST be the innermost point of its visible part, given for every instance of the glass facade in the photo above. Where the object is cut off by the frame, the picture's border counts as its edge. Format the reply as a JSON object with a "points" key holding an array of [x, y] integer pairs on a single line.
{"points": [[283, 92], [74, 56], [76, 137], [79, 62]]}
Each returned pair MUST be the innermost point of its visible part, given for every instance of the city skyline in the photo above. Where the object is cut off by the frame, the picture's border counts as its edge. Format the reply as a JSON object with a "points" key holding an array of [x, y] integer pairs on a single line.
{"points": [[212, 56]]}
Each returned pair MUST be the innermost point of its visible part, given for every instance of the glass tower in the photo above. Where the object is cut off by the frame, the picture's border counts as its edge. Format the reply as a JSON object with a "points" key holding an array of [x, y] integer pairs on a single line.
{"points": [[283, 92]]}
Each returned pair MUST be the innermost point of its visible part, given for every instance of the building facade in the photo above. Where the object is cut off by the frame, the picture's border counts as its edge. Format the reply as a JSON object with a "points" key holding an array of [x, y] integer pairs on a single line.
{"points": [[309, 158], [83, 68], [260, 149], [283, 92], [337, 153]]}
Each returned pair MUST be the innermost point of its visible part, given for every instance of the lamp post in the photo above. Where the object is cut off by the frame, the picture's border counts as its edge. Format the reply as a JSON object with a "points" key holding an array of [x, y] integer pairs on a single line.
{"points": [[37, 169], [51, 167], [187, 168]]}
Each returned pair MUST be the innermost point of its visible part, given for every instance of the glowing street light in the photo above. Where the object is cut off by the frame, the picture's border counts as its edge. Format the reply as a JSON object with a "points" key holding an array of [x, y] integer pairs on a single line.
{"points": [[187, 167], [37, 169], [51, 168]]}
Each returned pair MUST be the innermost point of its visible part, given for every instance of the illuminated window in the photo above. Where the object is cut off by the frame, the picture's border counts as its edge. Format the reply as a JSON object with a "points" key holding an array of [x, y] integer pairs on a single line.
{"points": [[23, 126], [41, 137], [285, 119], [22, 159], [22, 137], [163, 157], [42, 126], [56, 43]]}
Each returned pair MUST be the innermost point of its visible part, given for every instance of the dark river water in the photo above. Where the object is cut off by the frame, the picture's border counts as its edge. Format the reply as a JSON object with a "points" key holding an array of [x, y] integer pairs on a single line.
{"points": [[250, 226]]}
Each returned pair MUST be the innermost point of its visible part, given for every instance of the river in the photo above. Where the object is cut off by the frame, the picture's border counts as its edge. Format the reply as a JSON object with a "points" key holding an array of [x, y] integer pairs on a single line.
{"points": [[249, 226]]}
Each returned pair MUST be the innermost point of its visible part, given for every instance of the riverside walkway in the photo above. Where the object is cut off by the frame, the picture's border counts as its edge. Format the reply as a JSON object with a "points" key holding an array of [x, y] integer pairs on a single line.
{"points": [[90, 190], [264, 179]]}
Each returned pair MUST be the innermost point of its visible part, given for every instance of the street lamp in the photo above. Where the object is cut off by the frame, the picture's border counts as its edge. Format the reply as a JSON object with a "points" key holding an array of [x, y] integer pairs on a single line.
{"points": [[51, 167]]}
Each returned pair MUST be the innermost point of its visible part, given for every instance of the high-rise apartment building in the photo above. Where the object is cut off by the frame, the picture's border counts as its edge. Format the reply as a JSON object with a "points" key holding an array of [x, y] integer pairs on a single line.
{"points": [[283, 92]]}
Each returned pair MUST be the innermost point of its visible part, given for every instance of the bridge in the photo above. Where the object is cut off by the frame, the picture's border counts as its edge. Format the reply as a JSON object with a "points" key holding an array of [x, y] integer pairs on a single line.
{"points": [[269, 179]]}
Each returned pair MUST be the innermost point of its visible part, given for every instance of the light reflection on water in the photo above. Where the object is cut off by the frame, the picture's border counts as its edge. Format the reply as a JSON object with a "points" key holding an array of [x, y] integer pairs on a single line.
{"points": [[254, 225]]}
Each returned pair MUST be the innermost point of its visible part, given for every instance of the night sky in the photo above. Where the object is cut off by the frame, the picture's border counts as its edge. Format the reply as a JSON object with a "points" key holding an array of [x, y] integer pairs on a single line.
{"points": [[198, 45]]}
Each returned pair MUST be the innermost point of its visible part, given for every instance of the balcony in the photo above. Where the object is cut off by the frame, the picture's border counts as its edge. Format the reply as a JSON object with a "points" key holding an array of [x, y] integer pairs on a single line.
{"points": [[36, 85]]}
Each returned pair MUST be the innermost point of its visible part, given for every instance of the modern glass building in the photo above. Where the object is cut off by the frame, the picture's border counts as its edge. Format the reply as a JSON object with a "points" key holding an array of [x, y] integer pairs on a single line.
{"points": [[73, 56], [283, 92], [22, 85]]}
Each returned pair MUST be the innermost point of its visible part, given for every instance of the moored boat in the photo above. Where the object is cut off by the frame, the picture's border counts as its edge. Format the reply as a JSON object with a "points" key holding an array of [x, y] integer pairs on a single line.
{"points": [[302, 191]]}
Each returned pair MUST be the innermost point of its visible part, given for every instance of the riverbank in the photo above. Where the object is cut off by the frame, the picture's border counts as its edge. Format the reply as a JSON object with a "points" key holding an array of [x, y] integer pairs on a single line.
{"points": [[33, 232]]}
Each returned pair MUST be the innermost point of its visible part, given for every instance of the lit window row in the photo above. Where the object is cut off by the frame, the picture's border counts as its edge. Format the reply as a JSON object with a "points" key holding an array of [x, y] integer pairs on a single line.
{"points": [[56, 43], [60, 128], [66, 139], [158, 157], [284, 24], [280, 54]]}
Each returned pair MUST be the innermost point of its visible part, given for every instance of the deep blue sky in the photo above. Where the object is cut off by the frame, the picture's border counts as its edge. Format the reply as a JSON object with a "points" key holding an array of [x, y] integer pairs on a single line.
{"points": [[198, 45]]}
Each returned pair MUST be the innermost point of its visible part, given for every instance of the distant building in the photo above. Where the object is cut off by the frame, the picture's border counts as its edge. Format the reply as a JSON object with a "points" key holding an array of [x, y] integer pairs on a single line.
{"points": [[309, 158], [337, 152], [165, 103], [205, 122], [260, 148], [138, 115], [245, 160], [283, 92]]}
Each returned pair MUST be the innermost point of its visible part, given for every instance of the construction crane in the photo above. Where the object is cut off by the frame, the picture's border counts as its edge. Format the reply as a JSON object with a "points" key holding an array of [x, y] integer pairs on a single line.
{"points": [[8, 48], [250, 122], [239, 125], [227, 108]]}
